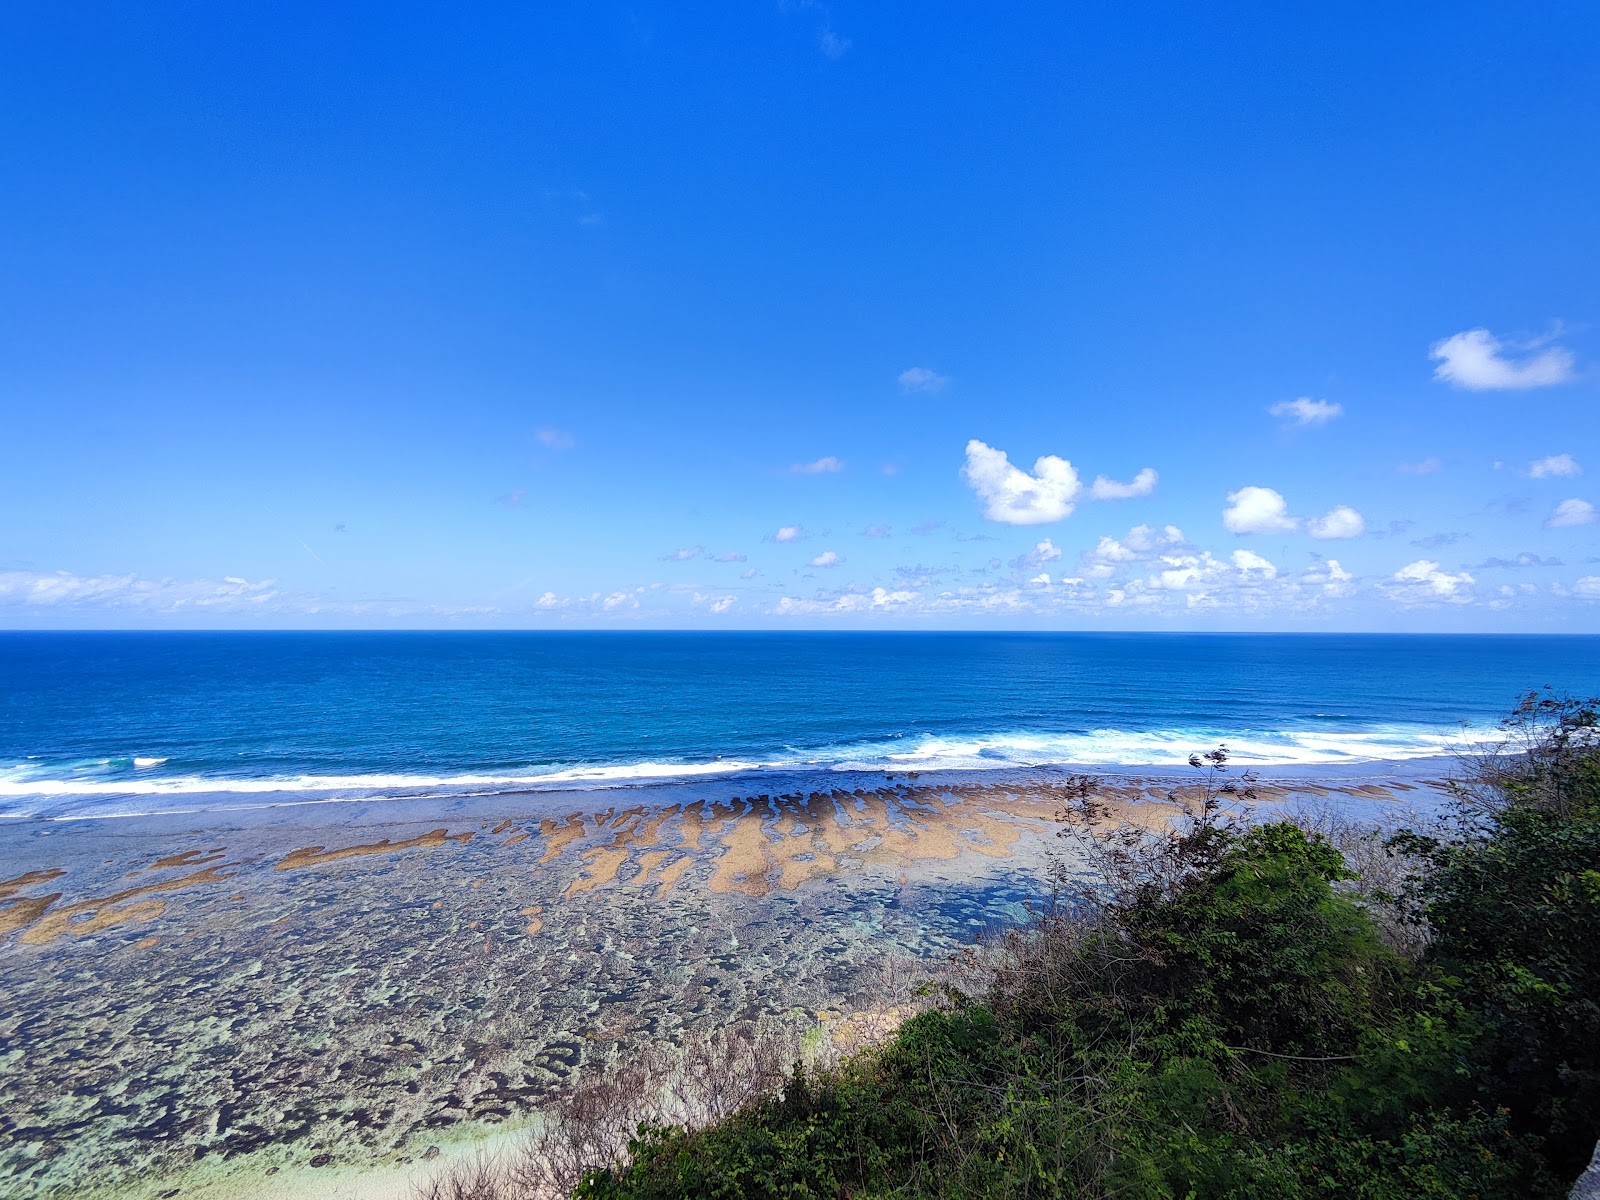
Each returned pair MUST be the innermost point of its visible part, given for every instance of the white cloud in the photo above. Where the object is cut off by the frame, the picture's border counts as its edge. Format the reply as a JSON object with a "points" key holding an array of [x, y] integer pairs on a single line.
{"points": [[682, 555], [1042, 552], [1339, 522], [749, 574], [551, 600], [556, 439], [1474, 360], [63, 589], [1014, 497], [827, 465], [1588, 587], [730, 556], [1427, 578], [1258, 510], [1428, 466], [921, 379], [1330, 577], [827, 558], [618, 600], [1571, 512], [1306, 411], [1141, 484], [788, 533], [831, 43], [1554, 466], [1247, 561], [1043, 579]]}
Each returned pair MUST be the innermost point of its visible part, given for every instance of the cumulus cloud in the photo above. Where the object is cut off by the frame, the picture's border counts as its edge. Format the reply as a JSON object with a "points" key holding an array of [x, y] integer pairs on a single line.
{"points": [[1571, 512], [788, 533], [1247, 561], [682, 555], [1141, 484], [1339, 522], [1258, 510], [1588, 587], [922, 379], [827, 558], [1014, 497], [1478, 361], [1306, 411], [1333, 579], [826, 465], [618, 600], [1264, 510], [555, 439], [1140, 542], [1425, 580], [1554, 466]]}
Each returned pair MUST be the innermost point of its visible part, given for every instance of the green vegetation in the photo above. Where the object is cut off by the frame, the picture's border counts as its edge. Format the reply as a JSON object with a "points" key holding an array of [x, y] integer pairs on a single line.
{"points": [[1230, 1013]]}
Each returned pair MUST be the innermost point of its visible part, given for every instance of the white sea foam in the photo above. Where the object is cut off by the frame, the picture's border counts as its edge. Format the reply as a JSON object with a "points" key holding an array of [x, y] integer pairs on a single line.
{"points": [[1097, 748]]}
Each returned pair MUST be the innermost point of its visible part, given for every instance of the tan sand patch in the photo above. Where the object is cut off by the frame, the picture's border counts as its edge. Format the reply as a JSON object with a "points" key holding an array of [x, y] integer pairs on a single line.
{"points": [[112, 909], [189, 858], [558, 835], [11, 886], [312, 856], [668, 877], [604, 863]]}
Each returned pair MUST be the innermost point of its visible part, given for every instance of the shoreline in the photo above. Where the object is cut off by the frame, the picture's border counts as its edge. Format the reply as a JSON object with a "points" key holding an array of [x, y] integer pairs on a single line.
{"points": [[667, 789], [191, 1001]]}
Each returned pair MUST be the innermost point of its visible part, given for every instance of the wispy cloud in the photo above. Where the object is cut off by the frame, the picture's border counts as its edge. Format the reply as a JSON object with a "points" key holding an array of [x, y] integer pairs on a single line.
{"points": [[1480, 362], [556, 439], [877, 531], [922, 379], [1554, 466], [831, 44], [1306, 411], [1141, 484], [1572, 512], [683, 555], [827, 465], [1428, 466], [732, 556], [63, 589], [1524, 559]]}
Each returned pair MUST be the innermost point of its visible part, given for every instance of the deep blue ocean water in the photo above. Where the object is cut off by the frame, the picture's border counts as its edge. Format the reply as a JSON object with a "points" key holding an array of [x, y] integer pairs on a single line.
{"points": [[138, 722]]}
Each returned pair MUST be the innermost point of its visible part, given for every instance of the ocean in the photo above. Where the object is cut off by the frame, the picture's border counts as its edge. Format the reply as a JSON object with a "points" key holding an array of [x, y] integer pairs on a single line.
{"points": [[119, 724]]}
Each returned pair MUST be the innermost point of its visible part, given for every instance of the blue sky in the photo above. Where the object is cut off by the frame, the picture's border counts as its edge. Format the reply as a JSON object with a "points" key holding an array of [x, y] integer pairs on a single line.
{"points": [[793, 315]]}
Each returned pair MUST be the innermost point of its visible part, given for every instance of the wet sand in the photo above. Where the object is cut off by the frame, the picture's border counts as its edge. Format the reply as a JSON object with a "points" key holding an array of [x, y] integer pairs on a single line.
{"points": [[288, 1000]]}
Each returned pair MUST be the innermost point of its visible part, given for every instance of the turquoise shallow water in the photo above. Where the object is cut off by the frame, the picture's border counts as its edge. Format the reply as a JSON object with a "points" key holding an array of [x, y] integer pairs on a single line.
{"points": [[119, 723]]}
